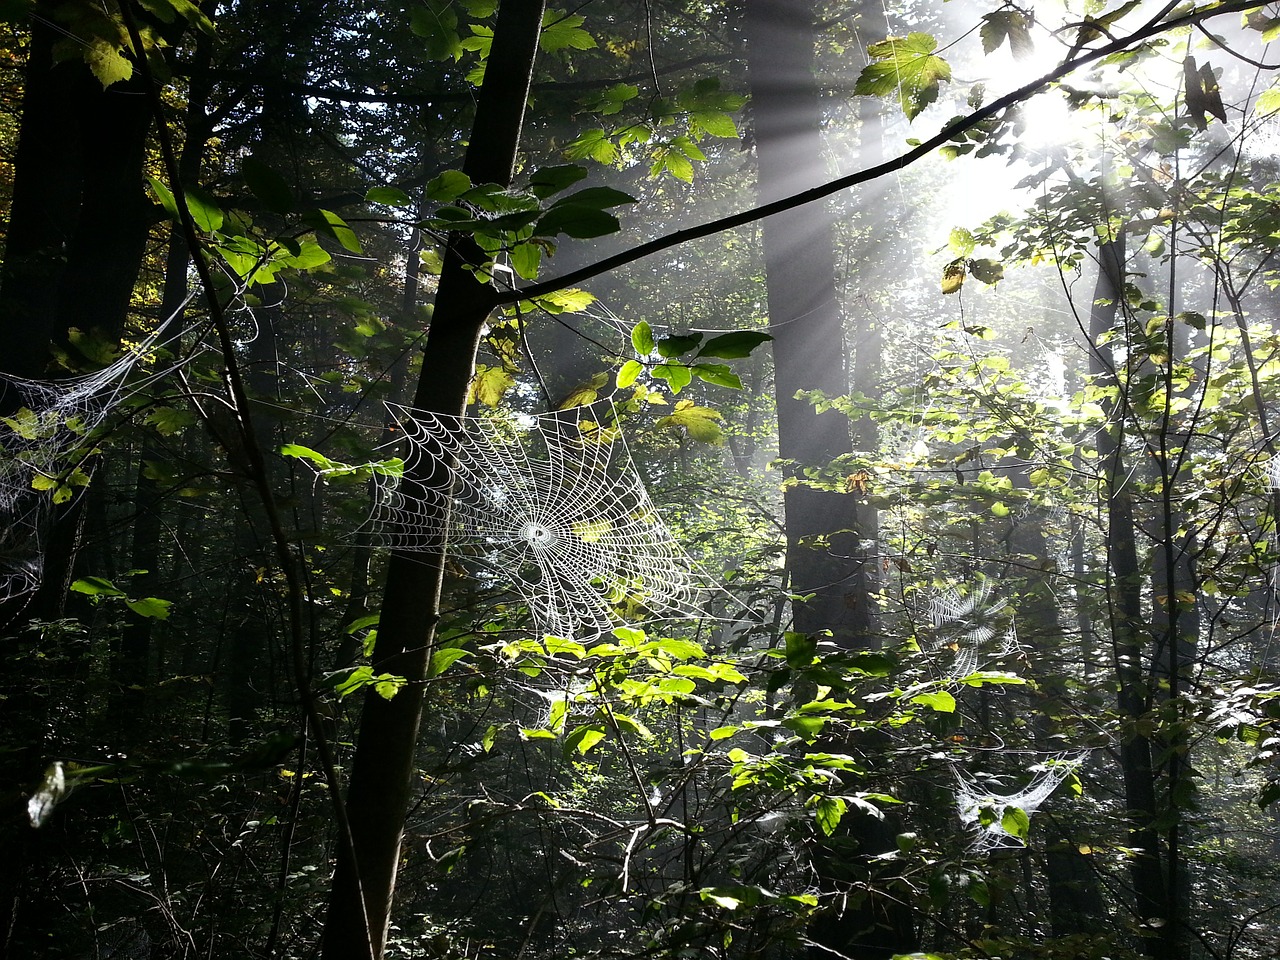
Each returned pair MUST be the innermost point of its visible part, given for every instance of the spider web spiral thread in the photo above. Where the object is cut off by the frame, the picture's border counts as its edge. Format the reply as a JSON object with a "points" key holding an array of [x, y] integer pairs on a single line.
{"points": [[553, 504]]}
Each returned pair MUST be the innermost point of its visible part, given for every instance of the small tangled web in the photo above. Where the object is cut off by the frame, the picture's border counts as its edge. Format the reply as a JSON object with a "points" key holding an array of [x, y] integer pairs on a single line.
{"points": [[551, 504], [975, 795]]}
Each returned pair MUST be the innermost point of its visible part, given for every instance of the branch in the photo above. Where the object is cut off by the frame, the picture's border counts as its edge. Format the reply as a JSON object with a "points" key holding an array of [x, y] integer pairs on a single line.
{"points": [[1150, 29]]}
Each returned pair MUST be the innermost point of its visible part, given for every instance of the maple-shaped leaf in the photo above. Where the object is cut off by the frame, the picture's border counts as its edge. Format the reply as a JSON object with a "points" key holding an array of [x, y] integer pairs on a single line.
{"points": [[563, 31], [1013, 25], [907, 68]]}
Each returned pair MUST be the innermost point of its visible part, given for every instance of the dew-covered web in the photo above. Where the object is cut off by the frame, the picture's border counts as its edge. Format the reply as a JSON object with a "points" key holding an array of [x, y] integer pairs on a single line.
{"points": [[551, 504], [969, 624], [976, 792], [46, 431]]}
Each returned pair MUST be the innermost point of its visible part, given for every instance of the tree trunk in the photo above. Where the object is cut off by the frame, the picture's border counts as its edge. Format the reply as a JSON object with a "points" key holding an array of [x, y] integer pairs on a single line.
{"points": [[1125, 607], [380, 789], [824, 558]]}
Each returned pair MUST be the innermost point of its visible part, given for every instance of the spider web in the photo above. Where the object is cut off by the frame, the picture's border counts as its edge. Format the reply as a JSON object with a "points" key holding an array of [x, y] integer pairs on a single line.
{"points": [[44, 440], [972, 796], [553, 505], [967, 623]]}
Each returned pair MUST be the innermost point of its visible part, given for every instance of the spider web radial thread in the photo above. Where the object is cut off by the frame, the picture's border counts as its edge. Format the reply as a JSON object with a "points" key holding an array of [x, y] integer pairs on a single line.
{"points": [[553, 505]]}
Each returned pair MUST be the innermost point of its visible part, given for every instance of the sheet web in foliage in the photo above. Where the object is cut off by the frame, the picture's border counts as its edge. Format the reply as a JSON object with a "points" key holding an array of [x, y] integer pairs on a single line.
{"points": [[551, 504], [47, 431]]}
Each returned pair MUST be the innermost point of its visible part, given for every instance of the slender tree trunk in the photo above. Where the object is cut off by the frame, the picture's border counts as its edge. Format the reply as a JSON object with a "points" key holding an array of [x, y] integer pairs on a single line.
{"points": [[381, 780]]}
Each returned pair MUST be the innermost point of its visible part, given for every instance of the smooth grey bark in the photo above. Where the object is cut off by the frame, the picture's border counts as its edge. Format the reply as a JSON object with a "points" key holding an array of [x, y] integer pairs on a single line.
{"points": [[381, 788]]}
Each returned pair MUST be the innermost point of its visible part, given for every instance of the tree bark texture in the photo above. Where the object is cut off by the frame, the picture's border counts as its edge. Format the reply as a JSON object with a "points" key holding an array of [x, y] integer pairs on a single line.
{"points": [[381, 780]]}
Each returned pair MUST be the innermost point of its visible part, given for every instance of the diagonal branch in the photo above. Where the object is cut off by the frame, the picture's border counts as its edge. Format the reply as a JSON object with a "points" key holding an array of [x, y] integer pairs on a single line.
{"points": [[1152, 28]]}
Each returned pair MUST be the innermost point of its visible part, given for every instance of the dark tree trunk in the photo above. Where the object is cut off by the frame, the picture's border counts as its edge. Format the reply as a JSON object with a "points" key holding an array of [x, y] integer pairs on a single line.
{"points": [[824, 558], [79, 217], [1125, 606], [381, 779], [827, 560]]}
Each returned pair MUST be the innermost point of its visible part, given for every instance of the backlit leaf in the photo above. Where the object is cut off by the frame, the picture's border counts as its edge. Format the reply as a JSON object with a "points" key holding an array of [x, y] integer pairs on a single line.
{"points": [[905, 67], [733, 346]]}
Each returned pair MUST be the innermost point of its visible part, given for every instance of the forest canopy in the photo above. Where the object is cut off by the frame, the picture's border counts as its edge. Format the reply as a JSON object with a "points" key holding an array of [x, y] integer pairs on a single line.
{"points": [[642, 479]]}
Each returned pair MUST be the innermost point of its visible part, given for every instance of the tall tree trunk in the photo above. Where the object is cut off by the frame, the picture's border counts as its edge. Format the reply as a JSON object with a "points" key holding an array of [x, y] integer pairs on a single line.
{"points": [[826, 559], [1125, 609], [380, 789]]}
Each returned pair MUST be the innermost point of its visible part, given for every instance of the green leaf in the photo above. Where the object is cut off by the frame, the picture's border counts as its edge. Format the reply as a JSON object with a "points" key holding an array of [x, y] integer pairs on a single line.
{"points": [[583, 738], [309, 256], [717, 373], [937, 700], [577, 221], [642, 338], [1015, 822], [961, 242], [204, 209], [361, 623], [905, 67], [1268, 102], [442, 660], [669, 347], [677, 375], [629, 373], [267, 185], [489, 385], [527, 733], [829, 811], [563, 31], [547, 181], [1008, 25], [165, 196], [526, 260], [152, 608], [388, 196], [306, 453], [170, 420], [701, 423], [329, 222], [597, 197], [720, 899], [437, 24], [613, 99], [448, 186], [593, 145], [96, 587], [733, 346], [107, 61], [714, 123], [571, 300]]}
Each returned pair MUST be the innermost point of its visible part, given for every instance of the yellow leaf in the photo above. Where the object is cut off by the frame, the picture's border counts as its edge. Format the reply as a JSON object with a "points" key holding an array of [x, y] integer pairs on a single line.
{"points": [[489, 385]]}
